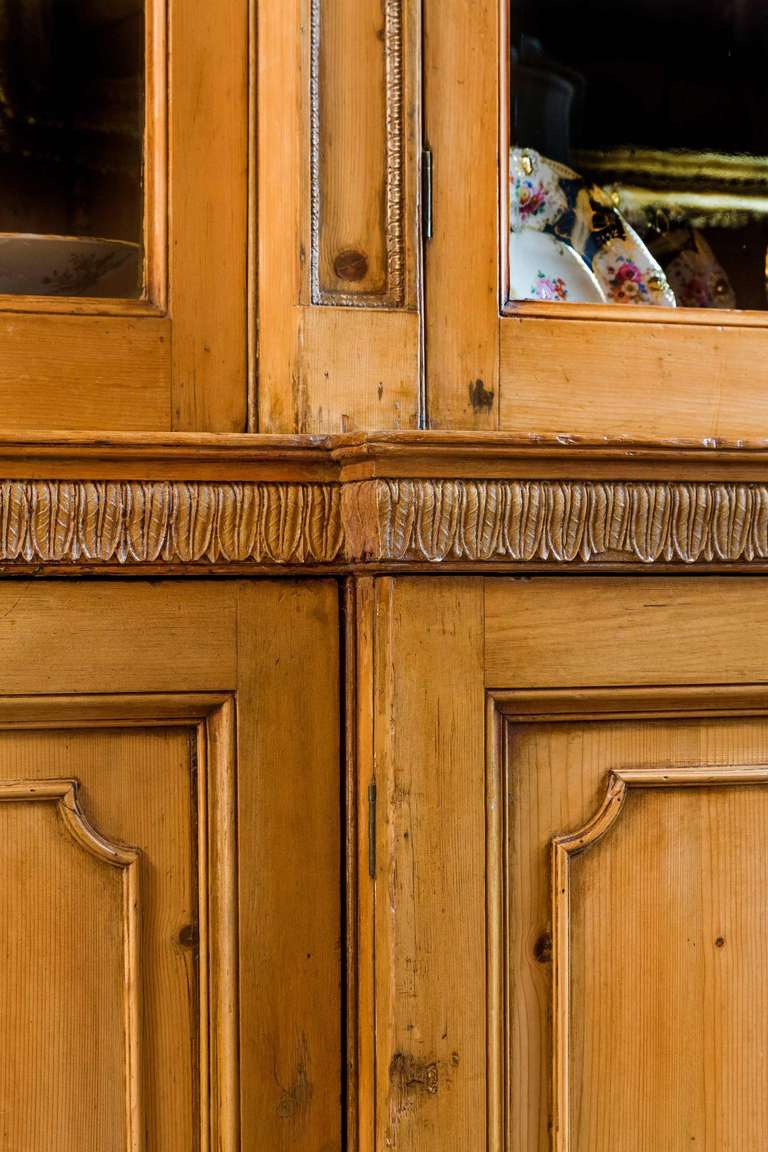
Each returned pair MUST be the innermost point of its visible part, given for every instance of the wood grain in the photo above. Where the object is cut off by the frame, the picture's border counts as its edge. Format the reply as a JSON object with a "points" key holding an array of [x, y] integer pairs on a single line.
{"points": [[662, 1044], [583, 389], [551, 779], [360, 629], [430, 836], [289, 808], [208, 213], [81, 372], [333, 368], [461, 102], [69, 1078], [117, 637], [112, 683], [358, 153], [552, 633]]}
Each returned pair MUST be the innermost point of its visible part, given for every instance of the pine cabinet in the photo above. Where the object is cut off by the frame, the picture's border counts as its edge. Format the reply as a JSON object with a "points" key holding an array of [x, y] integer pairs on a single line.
{"points": [[382, 710]]}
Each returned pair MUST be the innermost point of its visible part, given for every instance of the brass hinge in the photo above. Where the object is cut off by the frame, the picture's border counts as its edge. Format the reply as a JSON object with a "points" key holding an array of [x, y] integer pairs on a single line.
{"points": [[426, 193], [372, 830]]}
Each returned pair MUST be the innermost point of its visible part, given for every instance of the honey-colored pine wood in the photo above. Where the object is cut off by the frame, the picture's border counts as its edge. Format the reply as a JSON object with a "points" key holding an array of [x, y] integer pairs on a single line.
{"points": [[503, 709], [536, 367], [289, 801], [344, 367], [552, 786], [79, 372], [564, 633], [671, 1035], [208, 237], [618, 377], [362, 803], [201, 735], [75, 1072], [461, 97], [351, 143], [430, 949], [177, 358]]}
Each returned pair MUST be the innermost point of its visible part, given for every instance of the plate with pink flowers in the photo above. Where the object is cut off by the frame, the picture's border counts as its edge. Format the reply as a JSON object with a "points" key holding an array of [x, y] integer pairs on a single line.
{"points": [[568, 242]]}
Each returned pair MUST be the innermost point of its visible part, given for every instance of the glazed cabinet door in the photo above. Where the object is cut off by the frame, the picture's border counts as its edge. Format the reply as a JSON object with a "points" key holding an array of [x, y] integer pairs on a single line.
{"points": [[123, 219], [568, 902], [168, 764]]}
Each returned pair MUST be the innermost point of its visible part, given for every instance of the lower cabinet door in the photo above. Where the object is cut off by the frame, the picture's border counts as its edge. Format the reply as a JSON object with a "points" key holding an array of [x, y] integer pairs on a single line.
{"points": [[169, 867], [569, 905]]}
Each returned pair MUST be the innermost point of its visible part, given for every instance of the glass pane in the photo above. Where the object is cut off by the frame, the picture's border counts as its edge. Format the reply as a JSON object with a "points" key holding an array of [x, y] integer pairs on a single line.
{"points": [[639, 152], [71, 140]]}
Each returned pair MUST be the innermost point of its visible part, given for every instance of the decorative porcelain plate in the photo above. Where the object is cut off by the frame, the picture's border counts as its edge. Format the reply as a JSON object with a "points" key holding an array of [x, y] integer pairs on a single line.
{"points": [[545, 268], [33, 265], [596, 258]]}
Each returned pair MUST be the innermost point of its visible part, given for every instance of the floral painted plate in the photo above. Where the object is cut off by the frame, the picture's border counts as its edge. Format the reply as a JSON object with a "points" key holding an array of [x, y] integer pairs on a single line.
{"points": [[545, 268], [547, 198]]}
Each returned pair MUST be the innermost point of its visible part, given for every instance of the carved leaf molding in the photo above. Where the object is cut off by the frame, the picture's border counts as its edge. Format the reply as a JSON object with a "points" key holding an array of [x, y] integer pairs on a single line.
{"points": [[454, 521], [129, 522], [556, 521]]}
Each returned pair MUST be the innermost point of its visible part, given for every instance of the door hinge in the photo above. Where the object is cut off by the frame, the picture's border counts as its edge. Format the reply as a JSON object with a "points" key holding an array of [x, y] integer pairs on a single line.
{"points": [[426, 193], [372, 830]]}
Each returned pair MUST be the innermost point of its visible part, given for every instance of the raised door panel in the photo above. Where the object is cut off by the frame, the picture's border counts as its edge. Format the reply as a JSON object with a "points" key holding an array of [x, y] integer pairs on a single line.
{"points": [[168, 762], [622, 875], [98, 922], [660, 1028]]}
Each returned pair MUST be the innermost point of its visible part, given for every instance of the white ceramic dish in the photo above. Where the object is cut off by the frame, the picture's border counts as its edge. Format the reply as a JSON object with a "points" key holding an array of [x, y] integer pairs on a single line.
{"points": [[35, 265]]}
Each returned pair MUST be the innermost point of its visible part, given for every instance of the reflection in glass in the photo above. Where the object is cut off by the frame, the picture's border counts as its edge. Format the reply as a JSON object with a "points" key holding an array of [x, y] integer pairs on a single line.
{"points": [[71, 140], [639, 152]]}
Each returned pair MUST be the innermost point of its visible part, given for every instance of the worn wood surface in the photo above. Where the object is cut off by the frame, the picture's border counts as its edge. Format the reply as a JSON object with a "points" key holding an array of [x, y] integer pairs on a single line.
{"points": [[178, 358], [80, 1068], [679, 690], [721, 626], [360, 225], [289, 803], [430, 833], [331, 369], [461, 109], [361, 786], [552, 781]]}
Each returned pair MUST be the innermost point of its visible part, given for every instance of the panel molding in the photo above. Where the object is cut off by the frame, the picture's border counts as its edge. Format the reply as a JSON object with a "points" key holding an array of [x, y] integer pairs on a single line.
{"points": [[212, 719], [64, 795], [393, 222], [572, 844], [506, 708]]}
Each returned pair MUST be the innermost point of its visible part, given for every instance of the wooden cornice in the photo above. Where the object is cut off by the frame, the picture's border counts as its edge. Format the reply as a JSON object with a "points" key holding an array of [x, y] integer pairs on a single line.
{"points": [[180, 503]]}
